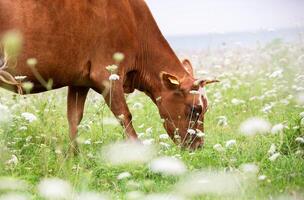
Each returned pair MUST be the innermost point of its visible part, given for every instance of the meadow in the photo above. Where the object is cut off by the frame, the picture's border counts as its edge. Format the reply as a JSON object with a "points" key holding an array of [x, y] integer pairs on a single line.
{"points": [[254, 137]]}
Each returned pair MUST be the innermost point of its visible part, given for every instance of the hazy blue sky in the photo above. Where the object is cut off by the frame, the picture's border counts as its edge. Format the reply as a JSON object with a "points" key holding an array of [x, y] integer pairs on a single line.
{"points": [[183, 17]]}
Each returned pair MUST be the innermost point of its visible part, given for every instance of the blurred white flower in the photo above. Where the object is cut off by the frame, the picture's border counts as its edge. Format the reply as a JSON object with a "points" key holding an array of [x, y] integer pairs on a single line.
{"points": [[300, 140], [168, 166], [300, 99], [272, 149], [302, 115], [277, 129], [210, 182], [277, 74], [262, 177], [113, 77], [148, 141], [54, 188], [127, 152], [191, 131], [165, 145], [14, 196], [149, 131], [8, 183], [164, 136], [255, 126], [222, 121], [200, 134], [237, 102], [124, 175], [267, 108], [13, 161], [163, 197], [302, 122], [110, 121], [230, 143], [87, 142], [29, 117], [249, 168], [5, 116], [134, 195], [118, 57], [90, 196], [274, 157], [218, 147]]}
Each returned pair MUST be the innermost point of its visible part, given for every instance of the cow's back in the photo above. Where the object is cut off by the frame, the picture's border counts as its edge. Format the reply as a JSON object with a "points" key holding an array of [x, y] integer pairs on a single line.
{"points": [[63, 35]]}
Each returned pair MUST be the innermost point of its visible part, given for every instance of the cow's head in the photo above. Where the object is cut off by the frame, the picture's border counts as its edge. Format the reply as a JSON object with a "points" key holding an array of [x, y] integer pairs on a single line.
{"points": [[182, 105]]}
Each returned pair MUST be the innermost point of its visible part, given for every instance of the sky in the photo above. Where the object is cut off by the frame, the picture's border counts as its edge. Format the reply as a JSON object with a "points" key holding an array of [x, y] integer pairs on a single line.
{"points": [[192, 17]]}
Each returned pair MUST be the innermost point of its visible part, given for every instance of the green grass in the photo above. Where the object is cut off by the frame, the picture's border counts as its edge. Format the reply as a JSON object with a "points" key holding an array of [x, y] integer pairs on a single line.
{"points": [[44, 155]]}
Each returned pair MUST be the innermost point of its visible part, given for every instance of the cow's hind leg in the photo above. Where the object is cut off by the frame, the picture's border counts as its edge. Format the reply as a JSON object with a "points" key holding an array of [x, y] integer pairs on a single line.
{"points": [[75, 107]]}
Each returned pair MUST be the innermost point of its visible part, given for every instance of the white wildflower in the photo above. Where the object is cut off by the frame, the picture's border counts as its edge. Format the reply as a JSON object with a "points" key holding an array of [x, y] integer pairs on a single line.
{"points": [[148, 142], [87, 142], [149, 131], [128, 152], [255, 126], [91, 196], [14, 196], [222, 121], [191, 131], [113, 77], [272, 149], [8, 183], [54, 188], [209, 182], [218, 147], [262, 177], [300, 140], [29, 117], [277, 129], [200, 134], [302, 115], [165, 145], [13, 161], [164, 136], [277, 74], [134, 195], [250, 168], [274, 157], [112, 68], [168, 166], [237, 101], [162, 197], [5, 116], [118, 57], [230, 143], [300, 99], [124, 175]]}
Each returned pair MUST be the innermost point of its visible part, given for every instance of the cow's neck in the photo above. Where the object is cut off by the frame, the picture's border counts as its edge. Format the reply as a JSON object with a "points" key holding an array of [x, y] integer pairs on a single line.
{"points": [[155, 58], [154, 54]]}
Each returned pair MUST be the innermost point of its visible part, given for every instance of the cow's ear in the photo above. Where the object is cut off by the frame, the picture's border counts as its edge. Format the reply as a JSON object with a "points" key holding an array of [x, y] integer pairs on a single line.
{"points": [[203, 82], [188, 66], [169, 81]]}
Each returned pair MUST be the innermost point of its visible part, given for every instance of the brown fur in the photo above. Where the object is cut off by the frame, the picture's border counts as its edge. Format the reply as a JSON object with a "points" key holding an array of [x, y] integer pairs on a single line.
{"points": [[74, 40]]}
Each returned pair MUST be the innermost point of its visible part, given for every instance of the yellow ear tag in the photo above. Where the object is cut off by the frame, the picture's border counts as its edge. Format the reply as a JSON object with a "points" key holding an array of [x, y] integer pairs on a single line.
{"points": [[173, 81]]}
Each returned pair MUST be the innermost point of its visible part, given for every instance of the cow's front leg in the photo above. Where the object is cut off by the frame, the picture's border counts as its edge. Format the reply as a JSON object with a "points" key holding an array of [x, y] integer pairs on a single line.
{"points": [[115, 99], [75, 107]]}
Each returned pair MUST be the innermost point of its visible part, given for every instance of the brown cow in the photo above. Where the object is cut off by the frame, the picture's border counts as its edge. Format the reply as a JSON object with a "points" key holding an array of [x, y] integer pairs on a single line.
{"points": [[74, 41]]}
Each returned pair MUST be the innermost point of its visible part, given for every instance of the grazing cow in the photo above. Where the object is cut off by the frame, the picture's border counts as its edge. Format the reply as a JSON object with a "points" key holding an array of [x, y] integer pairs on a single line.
{"points": [[74, 42]]}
